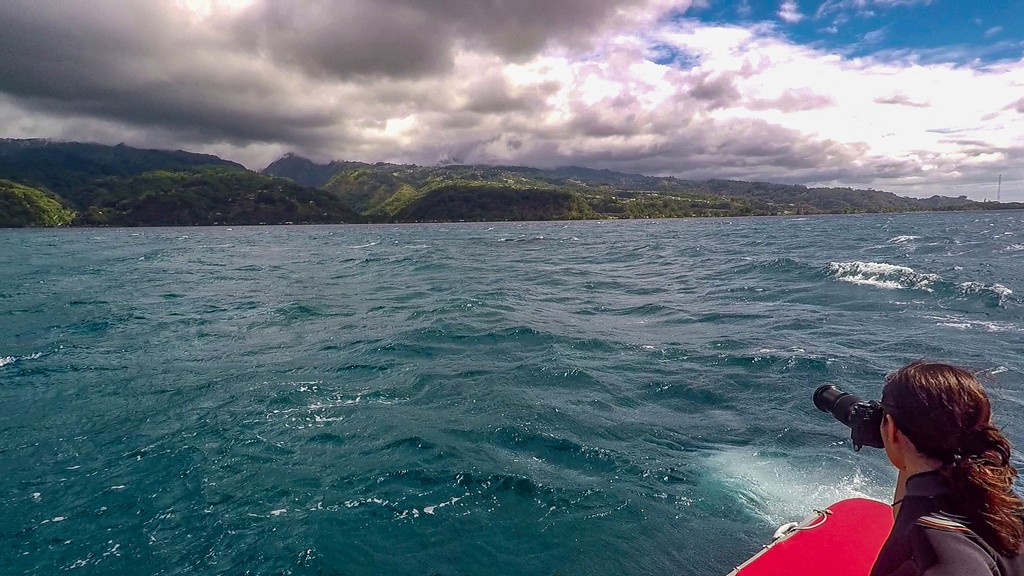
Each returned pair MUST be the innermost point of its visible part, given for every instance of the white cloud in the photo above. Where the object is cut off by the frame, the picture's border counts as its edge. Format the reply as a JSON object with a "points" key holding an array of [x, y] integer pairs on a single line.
{"points": [[875, 36], [910, 147], [993, 31], [893, 3], [737, 102], [744, 10], [789, 12], [862, 8]]}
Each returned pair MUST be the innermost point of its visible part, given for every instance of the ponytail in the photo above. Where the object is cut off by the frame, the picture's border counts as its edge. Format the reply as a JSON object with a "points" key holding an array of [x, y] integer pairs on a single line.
{"points": [[982, 476]]}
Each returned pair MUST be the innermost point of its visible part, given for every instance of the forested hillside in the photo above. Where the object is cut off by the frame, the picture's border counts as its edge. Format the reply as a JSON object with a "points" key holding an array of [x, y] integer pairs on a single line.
{"points": [[23, 206], [397, 192], [59, 183], [210, 196], [124, 186]]}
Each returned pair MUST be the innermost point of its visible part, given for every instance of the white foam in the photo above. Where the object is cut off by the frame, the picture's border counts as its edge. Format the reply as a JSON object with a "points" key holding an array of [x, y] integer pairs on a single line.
{"points": [[961, 323], [780, 493], [429, 510], [975, 287], [902, 239], [882, 275], [1014, 248], [278, 512], [371, 500], [5, 360]]}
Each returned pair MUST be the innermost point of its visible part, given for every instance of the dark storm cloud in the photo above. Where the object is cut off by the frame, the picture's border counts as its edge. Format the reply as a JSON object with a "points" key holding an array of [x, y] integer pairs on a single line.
{"points": [[270, 73], [492, 94], [534, 82], [718, 90], [619, 116], [413, 38], [746, 149], [347, 39], [137, 63]]}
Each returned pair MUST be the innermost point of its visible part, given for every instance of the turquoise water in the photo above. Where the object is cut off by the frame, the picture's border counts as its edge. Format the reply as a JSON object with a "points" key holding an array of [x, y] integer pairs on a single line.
{"points": [[538, 398]]}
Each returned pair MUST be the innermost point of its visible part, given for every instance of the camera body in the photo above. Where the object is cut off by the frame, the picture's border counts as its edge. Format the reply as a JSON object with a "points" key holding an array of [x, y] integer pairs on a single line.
{"points": [[863, 418]]}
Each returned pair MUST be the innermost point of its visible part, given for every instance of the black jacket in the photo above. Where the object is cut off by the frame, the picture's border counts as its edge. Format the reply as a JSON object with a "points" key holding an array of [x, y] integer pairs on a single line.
{"points": [[929, 539]]}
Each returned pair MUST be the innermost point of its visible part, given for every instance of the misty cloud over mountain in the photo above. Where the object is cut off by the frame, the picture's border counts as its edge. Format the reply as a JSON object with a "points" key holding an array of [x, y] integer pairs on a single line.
{"points": [[633, 85]]}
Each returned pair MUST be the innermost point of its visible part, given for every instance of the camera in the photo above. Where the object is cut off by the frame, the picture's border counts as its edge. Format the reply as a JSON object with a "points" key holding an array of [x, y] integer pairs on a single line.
{"points": [[863, 418]]}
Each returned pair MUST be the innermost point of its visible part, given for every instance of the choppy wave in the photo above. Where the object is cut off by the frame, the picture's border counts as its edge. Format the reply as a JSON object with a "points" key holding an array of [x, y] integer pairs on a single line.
{"points": [[6, 360], [585, 397], [882, 275], [966, 323], [894, 277], [998, 290]]}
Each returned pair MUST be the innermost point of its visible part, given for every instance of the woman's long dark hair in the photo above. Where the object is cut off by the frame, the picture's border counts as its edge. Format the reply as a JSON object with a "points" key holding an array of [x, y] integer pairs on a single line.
{"points": [[945, 412]]}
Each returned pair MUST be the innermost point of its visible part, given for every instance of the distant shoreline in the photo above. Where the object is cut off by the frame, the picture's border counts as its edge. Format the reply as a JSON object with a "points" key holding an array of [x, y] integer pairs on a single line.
{"points": [[45, 183], [449, 222]]}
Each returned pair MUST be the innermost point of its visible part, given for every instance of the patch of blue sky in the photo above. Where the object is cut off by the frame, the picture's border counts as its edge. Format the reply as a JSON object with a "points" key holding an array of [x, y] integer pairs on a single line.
{"points": [[955, 31], [668, 55]]}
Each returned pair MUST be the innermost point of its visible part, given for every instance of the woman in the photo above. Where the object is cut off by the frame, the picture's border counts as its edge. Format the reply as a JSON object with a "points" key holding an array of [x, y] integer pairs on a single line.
{"points": [[955, 508]]}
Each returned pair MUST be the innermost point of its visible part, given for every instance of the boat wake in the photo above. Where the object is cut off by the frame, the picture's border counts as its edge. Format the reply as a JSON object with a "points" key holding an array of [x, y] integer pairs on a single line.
{"points": [[778, 492]]}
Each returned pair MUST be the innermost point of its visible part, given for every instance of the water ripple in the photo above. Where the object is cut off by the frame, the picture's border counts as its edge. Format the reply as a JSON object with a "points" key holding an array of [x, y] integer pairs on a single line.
{"points": [[572, 397]]}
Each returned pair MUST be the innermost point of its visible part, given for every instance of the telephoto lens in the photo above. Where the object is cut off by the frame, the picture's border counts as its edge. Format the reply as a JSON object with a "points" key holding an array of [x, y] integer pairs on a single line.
{"points": [[839, 404], [863, 418]]}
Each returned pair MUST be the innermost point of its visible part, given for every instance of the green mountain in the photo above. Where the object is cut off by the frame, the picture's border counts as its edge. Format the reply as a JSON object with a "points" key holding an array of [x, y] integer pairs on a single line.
{"points": [[22, 206], [124, 186], [305, 172], [210, 196], [487, 202], [65, 167], [392, 192], [56, 183], [405, 193]]}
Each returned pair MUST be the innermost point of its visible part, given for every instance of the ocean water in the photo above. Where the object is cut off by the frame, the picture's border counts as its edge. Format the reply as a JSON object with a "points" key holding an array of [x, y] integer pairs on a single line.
{"points": [[507, 398]]}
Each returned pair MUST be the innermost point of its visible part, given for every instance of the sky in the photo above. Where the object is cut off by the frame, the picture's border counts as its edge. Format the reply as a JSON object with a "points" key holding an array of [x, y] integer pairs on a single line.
{"points": [[915, 97]]}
